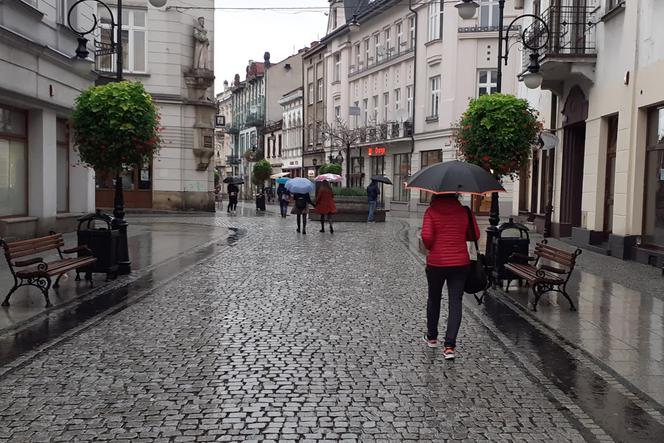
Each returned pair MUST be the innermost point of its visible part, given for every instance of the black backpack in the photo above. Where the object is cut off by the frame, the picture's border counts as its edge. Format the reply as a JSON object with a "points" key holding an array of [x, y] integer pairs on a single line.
{"points": [[301, 201]]}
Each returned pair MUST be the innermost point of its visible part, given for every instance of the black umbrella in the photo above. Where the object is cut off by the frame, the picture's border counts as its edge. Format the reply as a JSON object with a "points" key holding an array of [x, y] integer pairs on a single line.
{"points": [[381, 179], [454, 177], [234, 180]]}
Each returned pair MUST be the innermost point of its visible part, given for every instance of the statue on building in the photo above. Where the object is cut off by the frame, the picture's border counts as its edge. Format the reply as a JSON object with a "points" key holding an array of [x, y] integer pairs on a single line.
{"points": [[201, 45]]}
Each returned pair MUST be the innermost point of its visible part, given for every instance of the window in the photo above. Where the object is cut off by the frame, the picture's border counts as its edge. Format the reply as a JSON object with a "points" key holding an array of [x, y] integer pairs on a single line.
{"points": [[378, 51], [134, 40], [279, 141], [13, 163], [489, 13], [411, 32], [374, 116], [337, 112], [610, 4], [488, 82], [434, 96], [434, 20], [388, 42], [63, 7], [653, 217], [320, 90], [358, 56], [357, 172], [366, 53], [429, 158], [310, 90], [386, 105], [365, 107], [397, 99], [337, 67], [62, 165], [409, 100], [334, 18], [401, 172], [400, 41]]}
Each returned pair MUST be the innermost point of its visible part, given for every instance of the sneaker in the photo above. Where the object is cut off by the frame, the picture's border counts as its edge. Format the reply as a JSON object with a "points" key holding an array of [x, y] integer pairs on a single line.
{"points": [[430, 343], [448, 353]]}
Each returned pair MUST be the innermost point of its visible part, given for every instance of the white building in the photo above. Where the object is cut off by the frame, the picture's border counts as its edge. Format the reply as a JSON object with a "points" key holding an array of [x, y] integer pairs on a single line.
{"points": [[41, 186], [160, 54], [224, 141], [410, 70], [603, 182], [293, 132]]}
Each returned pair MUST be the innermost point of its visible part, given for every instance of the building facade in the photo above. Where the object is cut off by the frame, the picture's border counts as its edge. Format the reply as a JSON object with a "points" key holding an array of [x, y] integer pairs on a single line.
{"points": [[224, 141], [42, 187], [293, 132], [405, 72], [600, 179], [315, 78], [160, 53]]}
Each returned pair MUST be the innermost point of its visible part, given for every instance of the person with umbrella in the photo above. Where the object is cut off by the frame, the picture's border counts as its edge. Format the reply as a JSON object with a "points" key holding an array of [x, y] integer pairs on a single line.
{"points": [[284, 197], [233, 191], [446, 227], [372, 194], [325, 205], [300, 188]]}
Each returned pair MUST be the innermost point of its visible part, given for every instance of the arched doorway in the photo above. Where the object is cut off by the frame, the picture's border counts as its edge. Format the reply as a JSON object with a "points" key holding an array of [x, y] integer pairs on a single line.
{"points": [[574, 139]]}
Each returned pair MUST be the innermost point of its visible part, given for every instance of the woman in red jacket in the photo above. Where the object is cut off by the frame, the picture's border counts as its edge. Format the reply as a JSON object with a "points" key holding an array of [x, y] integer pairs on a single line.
{"points": [[445, 230], [325, 205]]}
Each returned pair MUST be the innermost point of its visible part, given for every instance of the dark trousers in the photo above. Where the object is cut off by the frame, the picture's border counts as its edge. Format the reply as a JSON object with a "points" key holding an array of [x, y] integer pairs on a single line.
{"points": [[329, 220], [232, 204], [301, 219], [455, 276], [283, 206]]}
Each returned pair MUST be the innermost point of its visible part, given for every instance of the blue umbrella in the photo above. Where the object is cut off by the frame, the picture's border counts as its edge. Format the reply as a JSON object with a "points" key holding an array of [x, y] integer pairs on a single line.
{"points": [[300, 185], [283, 180]]}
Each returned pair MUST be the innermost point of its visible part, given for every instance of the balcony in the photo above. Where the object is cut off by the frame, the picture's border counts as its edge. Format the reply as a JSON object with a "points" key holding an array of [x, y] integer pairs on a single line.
{"points": [[570, 53], [233, 160], [386, 132], [382, 59]]}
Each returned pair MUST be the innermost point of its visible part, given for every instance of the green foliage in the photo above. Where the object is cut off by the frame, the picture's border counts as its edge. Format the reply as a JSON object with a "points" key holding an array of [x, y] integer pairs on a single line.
{"points": [[217, 177], [497, 132], [116, 125], [262, 171], [330, 168], [350, 192]]}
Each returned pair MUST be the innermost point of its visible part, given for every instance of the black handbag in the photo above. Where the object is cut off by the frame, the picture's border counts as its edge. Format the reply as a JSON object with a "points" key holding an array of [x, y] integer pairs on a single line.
{"points": [[476, 280]]}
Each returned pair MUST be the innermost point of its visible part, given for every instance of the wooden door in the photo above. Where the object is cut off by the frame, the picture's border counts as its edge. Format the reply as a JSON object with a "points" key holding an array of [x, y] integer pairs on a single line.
{"points": [[609, 185]]}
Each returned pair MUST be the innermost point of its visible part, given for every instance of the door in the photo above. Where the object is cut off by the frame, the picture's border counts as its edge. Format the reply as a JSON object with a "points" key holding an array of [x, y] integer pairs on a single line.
{"points": [[572, 179], [378, 168], [609, 186]]}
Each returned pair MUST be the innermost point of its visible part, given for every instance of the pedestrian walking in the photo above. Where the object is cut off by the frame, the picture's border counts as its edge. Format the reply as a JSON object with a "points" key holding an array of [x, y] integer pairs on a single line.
{"points": [[301, 210], [233, 191], [446, 227], [284, 198], [325, 205], [372, 194]]}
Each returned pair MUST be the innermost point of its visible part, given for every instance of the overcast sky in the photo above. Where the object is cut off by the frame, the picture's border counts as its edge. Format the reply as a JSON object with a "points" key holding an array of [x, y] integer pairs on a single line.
{"points": [[244, 35]]}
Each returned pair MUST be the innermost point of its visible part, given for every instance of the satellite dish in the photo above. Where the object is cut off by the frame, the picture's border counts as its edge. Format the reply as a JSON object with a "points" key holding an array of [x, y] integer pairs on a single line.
{"points": [[549, 140]]}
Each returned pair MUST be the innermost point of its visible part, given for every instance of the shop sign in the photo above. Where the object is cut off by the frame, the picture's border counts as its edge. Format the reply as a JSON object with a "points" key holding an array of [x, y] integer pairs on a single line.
{"points": [[375, 151], [311, 173]]}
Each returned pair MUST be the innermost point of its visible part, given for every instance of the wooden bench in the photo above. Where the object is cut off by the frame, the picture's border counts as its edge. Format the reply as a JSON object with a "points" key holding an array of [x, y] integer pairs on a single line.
{"points": [[38, 273], [544, 278]]}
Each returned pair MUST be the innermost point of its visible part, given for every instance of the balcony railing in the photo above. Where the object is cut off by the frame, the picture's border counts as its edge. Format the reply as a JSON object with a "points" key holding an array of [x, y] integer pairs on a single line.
{"points": [[384, 132], [105, 57], [389, 55], [571, 32]]}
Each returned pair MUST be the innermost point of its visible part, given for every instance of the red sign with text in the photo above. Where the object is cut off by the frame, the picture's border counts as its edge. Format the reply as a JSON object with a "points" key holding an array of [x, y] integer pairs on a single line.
{"points": [[377, 151]]}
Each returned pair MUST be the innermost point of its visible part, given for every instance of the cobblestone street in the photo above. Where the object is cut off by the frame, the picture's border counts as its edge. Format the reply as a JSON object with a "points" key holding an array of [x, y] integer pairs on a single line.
{"points": [[283, 337]]}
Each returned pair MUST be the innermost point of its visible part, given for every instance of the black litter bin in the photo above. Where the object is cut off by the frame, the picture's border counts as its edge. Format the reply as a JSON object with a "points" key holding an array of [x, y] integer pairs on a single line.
{"points": [[102, 240], [511, 238], [260, 202]]}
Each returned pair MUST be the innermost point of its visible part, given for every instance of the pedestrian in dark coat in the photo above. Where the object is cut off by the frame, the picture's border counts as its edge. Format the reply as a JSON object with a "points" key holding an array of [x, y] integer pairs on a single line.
{"points": [[445, 230], [233, 191], [325, 205], [284, 198], [372, 195], [300, 209]]}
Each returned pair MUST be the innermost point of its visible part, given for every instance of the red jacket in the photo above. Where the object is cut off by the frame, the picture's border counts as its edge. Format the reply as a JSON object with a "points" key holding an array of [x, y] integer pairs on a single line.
{"points": [[325, 202], [445, 232]]}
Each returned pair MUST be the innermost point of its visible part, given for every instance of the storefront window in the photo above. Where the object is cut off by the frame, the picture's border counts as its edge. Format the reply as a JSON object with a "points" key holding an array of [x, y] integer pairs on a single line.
{"points": [[378, 168], [62, 166], [357, 169], [13, 163], [429, 158], [654, 175], [401, 173], [132, 179]]}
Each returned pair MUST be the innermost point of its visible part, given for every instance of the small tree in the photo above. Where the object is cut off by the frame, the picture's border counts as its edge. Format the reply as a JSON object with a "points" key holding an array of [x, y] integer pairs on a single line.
{"points": [[497, 132], [116, 127], [262, 171], [340, 134], [330, 168]]}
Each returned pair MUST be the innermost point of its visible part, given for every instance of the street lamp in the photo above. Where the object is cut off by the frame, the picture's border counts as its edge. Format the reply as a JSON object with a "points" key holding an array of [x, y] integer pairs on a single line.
{"points": [[124, 265], [532, 79]]}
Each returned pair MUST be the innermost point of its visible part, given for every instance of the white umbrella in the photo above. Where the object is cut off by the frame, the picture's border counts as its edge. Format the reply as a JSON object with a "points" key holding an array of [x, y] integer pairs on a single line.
{"points": [[333, 178], [280, 174]]}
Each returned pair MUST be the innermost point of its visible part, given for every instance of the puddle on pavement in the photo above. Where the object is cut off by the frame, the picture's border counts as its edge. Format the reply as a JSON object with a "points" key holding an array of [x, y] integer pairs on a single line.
{"points": [[56, 323]]}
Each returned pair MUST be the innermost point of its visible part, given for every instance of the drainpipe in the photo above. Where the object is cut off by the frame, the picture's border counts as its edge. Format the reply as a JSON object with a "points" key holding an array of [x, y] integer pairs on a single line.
{"points": [[304, 121], [412, 134]]}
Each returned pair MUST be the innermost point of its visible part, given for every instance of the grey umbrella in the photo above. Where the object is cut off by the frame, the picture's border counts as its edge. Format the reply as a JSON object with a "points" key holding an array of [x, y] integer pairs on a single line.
{"points": [[454, 177], [234, 180], [381, 179]]}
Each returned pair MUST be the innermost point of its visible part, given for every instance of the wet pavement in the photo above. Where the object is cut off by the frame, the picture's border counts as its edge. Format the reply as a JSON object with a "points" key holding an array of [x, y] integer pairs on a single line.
{"points": [[236, 342]]}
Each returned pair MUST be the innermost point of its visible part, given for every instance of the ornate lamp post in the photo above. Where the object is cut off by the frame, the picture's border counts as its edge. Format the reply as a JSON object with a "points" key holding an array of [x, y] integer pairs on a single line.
{"points": [[124, 264], [532, 79]]}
